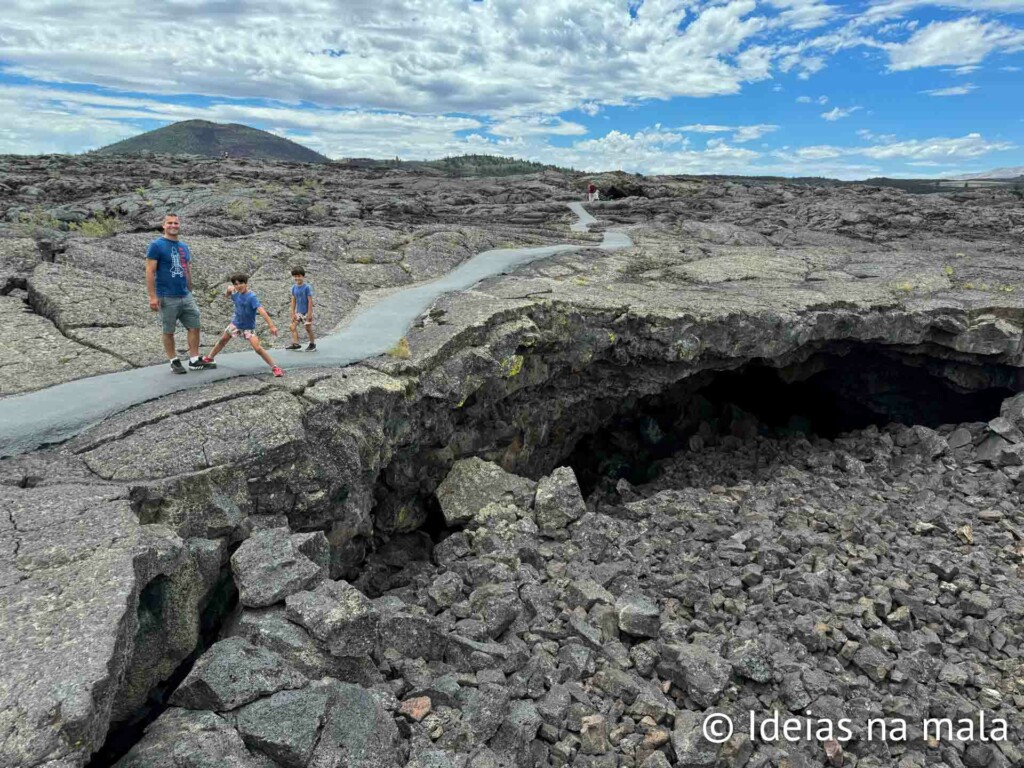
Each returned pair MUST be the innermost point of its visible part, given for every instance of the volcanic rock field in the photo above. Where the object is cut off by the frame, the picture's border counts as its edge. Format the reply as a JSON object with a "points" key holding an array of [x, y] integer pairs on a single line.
{"points": [[762, 468]]}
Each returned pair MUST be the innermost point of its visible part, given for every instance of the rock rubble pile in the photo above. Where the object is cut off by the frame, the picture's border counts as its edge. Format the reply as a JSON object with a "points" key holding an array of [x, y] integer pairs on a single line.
{"points": [[875, 576]]}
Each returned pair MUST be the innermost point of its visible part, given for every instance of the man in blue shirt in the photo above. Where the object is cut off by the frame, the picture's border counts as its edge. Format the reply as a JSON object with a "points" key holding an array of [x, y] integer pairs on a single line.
{"points": [[169, 283]]}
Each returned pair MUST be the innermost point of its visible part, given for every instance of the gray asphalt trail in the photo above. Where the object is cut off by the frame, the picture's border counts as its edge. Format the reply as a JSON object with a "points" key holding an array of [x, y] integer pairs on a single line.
{"points": [[60, 412]]}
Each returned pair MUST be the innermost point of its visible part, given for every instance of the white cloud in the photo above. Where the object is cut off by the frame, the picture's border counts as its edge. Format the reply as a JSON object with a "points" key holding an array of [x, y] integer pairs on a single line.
{"points": [[814, 153], [882, 138], [537, 125], [964, 41], [822, 100], [806, 65], [741, 133], [804, 14], [810, 65], [955, 90], [887, 9], [702, 128], [838, 113], [803, 99], [971, 145], [912, 151], [752, 132], [501, 58]]}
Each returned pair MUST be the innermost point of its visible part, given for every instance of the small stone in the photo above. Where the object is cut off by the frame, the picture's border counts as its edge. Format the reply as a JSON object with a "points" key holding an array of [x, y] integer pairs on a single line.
{"points": [[990, 697], [558, 501], [975, 604], [638, 616], [473, 483], [338, 614], [959, 437], [703, 674], [656, 760], [594, 735], [270, 565], [585, 593], [234, 672], [942, 567], [198, 739], [834, 752], [689, 743], [953, 674], [899, 618], [415, 709], [873, 662], [750, 660], [285, 726]]}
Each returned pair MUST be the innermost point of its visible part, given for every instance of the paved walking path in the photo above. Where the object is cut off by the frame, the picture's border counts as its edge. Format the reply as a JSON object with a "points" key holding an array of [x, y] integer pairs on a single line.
{"points": [[57, 413]]}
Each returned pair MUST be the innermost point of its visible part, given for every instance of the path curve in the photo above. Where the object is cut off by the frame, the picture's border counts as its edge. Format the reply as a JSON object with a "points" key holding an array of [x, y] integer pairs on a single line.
{"points": [[58, 413]]}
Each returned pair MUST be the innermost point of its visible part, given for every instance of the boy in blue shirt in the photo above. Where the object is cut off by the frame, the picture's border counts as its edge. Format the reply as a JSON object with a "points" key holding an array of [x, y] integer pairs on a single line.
{"points": [[243, 323], [302, 309]]}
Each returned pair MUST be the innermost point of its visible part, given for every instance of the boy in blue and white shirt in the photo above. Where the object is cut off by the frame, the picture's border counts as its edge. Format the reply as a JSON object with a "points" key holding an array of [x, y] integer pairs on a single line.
{"points": [[243, 323], [302, 309]]}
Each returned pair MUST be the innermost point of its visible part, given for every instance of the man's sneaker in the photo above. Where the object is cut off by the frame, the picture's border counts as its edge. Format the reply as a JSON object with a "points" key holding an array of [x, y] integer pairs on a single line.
{"points": [[311, 347], [294, 346], [176, 366], [278, 371], [208, 362], [197, 364]]}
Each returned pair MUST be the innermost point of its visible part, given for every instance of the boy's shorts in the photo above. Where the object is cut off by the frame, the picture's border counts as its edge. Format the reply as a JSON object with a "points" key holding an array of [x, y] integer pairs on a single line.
{"points": [[304, 319], [175, 308], [245, 333]]}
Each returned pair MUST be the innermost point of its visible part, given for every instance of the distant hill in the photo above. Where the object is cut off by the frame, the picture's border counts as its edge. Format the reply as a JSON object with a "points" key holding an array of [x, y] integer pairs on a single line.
{"points": [[996, 173], [460, 166], [200, 137]]}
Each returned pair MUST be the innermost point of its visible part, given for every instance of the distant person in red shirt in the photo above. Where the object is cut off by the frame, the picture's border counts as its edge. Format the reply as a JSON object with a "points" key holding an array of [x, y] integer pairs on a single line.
{"points": [[591, 193]]}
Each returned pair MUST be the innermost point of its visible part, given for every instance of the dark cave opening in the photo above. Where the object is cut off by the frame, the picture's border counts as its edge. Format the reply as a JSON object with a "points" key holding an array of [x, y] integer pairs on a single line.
{"points": [[828, 394], [222, 600]]}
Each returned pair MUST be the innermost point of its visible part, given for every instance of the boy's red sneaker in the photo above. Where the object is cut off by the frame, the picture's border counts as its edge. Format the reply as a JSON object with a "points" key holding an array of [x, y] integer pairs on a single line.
{"points": [[278, 371]]}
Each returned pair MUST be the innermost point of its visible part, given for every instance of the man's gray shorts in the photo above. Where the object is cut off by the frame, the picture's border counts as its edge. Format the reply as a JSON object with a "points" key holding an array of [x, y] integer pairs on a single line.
{"points": [[175, 308]]}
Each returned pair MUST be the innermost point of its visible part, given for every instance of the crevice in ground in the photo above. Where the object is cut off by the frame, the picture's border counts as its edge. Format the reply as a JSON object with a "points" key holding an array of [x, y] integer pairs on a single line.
{"points": [[37, 305], [13, 284], [17, 539], [136, 426], [221, 603]]}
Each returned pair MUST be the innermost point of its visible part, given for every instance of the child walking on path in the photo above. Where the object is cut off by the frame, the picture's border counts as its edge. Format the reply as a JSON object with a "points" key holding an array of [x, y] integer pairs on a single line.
{"points": [[244, 322], [302, 309]]}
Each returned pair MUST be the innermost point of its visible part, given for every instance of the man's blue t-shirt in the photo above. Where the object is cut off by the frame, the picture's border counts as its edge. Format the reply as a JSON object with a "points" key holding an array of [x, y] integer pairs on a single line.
{"points": [[302, 294], [173, 260], [246, 305]]}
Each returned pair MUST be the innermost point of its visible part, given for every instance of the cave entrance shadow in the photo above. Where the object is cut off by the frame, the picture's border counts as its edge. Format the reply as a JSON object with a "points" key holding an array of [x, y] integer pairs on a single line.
{"points": [[826, 395]]}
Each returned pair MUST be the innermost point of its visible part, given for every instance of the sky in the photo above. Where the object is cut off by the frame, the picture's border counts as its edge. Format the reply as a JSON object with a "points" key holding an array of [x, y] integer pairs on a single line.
{"points": [[909, 88]]}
